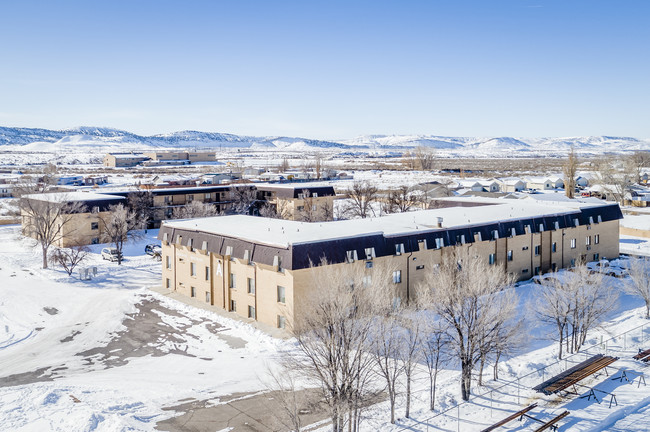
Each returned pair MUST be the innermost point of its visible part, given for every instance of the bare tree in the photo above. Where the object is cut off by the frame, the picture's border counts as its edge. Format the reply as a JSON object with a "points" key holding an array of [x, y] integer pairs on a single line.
{"points": [[119, 226], [69, 258], [434, 355], [141, 203], [614, 180], [575, 302], [638, 161], [243, 199], [284, 165], [48, 218], [387, 347], [569, 169], [332, 327], [195, 209], [413, 326], [311, 211], [424, 157], [401, 200], [361, 196], [639, 282], [475, 301]]}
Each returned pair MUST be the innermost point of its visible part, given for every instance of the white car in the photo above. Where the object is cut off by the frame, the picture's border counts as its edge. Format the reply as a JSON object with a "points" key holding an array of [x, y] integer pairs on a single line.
{"points": [[111, 254]]}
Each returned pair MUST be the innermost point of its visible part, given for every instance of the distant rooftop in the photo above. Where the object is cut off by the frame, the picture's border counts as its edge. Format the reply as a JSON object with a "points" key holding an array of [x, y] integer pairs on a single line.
{"points": [[73, 196]]}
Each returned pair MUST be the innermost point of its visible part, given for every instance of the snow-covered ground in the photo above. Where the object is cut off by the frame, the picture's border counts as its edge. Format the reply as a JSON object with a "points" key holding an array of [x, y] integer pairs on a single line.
{"points": [[70, 361], [109, 355]]}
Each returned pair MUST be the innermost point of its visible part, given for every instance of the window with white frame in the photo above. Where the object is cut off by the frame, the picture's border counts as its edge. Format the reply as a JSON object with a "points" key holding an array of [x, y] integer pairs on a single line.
{"points": [[397, 276]]}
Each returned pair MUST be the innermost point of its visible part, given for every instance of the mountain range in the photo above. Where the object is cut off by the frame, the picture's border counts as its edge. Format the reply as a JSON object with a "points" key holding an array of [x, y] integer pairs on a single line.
{"points": [[97, 139]]}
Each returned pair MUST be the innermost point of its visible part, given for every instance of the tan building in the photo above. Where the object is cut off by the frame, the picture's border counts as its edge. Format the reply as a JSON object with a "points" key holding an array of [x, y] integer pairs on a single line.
{"points": [[124, 160], [86, 226], [258, 267], [300, 201], [192, 157]]}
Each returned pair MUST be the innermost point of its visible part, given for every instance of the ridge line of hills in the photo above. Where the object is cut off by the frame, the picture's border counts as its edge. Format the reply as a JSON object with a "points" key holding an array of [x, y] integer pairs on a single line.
{"points": [[109, 139]]}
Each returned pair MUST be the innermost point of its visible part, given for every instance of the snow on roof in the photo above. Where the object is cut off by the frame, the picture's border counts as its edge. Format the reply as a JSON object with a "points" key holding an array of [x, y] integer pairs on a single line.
{"points": [[73, 196], [297, 185], [128, 155], [510, 180], [283, 233]]}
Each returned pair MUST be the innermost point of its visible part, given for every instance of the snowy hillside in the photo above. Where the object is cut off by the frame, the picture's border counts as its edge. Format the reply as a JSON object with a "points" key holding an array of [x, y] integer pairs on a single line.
{"points": [[93, 139]]}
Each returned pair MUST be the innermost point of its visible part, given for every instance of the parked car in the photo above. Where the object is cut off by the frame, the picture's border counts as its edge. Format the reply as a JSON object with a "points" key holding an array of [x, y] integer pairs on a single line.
{"points": [[111, 254], [153, 249]]}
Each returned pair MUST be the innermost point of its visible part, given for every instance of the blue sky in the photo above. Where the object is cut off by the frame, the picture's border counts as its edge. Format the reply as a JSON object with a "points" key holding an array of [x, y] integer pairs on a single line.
{"points": [[330, 69]]}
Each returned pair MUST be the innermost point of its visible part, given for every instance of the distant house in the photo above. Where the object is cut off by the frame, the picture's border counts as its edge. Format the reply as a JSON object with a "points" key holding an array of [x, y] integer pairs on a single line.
{"points": [[75, 180], [544, 183], [95, 180], [220, 178], [511, 184], [479, 185]]}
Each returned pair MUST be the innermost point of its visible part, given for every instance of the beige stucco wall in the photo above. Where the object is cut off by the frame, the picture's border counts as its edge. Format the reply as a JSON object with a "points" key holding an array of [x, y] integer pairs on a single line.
{"points": [[297, 283], [78, 231]]}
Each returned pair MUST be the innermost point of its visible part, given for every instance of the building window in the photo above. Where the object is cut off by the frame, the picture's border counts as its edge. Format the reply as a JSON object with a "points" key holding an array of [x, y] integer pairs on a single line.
{"points": [[281, 293], [554, 247], [420, 267], [588, 240], [492, 258], [190, 198], [510, 255], [207, 196], [524, 248], [300, 208], [251, 286], [207, 273], [251, 312], [192, 269], [368, 264], [397, 276], [553, 266], [94, 225], [233, 281], [573, 262], [597, 239], [525, 270], [192, 292], [233, 306], [168, 262], [596, 257], [168, 199], [537, 270], [537, 250], [573, 243], [207, 297], [94, 240], [168, 283], [281, 322]]}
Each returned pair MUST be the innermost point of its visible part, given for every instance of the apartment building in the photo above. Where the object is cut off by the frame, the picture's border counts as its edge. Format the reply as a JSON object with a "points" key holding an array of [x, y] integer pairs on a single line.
{"points": [[86, 226], [299, 201], [259, 268]]}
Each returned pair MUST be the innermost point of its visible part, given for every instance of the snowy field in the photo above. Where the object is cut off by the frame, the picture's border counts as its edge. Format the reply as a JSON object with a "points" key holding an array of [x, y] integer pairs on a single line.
{"points": [[110, 355], [70, 361]]}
